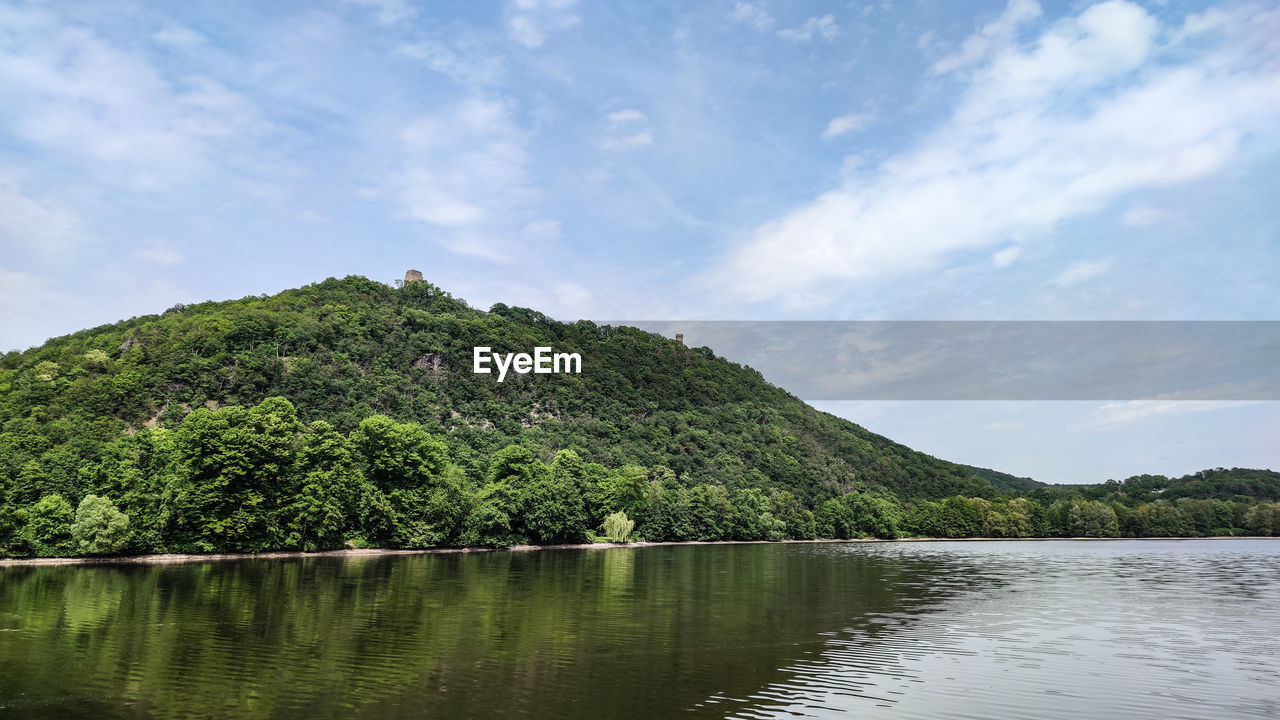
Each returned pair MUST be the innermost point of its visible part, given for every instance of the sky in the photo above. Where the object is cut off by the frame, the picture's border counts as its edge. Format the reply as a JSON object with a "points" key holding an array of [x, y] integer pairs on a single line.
{"points": [[925, 160]]}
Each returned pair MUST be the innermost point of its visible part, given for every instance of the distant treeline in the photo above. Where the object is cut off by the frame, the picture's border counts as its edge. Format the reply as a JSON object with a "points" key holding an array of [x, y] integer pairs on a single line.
{"points": [[250, 480]]}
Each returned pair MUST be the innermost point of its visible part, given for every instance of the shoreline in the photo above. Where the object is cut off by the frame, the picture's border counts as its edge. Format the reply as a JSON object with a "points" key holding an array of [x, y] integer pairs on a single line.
{"points": [[186, 558]]}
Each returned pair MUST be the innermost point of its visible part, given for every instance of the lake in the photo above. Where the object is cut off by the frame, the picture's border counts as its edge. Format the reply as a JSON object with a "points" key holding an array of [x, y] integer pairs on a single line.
{"points": [[1050, 629]]}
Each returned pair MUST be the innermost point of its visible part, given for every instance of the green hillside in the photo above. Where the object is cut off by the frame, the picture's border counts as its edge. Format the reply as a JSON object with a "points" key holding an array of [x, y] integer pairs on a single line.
{"points": [[343, 350], [1236, 484], [1005, 482], [348, 411]]}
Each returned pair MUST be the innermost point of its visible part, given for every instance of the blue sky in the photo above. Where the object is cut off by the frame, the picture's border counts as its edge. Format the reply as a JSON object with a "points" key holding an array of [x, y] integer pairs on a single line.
{"points": [[719, 160]]}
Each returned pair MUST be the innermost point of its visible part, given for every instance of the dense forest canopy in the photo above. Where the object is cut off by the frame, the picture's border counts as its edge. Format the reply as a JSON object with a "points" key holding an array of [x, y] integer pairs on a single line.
{"points": [[346, 411]]}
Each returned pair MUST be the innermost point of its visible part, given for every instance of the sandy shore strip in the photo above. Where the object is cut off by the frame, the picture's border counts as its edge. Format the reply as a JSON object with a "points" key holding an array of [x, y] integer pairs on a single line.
{"points": [[176, 558]]}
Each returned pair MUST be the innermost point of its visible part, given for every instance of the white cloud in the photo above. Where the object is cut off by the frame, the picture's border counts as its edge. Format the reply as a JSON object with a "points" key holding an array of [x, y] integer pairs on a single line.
{"points": [[929, 42], [178, 36], [1079, 272], [1119, 414], [630, 115], [159, 253], [625, 129], [847, 124], [386, 12], [1199, 23], [542, 231], [1055, 129], [531, 22], [37, 225], [995, 35], [26, 304], [106, 106], [466, 68], [824, 27], [573, 300], [494, 247], [752, 14], [1143, 215], [1006, 257], [465, 172], [1077, 55], [623, 142], [207, 108]]}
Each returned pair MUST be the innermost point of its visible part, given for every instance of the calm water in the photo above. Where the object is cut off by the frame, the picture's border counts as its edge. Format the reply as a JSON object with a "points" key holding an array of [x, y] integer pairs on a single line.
{"points": [[1154, 629]]}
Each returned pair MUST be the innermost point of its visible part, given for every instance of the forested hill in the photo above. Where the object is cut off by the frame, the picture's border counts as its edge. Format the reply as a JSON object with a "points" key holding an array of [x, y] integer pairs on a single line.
{"points": [[1004, 481], [342, 350], [1242, 485], [348, 412]]}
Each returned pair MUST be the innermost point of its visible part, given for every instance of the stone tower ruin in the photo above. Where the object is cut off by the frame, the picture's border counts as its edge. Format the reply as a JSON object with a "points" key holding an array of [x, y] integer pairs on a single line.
{"points": [[412, 276]]}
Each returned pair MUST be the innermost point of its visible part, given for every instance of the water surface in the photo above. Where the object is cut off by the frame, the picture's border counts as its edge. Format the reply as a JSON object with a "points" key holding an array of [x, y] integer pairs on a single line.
{"points": [[1068, 629]]}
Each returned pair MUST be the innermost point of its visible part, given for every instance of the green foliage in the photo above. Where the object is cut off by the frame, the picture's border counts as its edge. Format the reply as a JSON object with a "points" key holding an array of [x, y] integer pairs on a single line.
{"points": [[493, 523], [617, 527], [553, 511], [398, 456], [412, 499], [796, 521], [326, 483], [856, 515], [531, 502], [954, 517], [99, 528], [442, 515], [702, 512], [1263, 519], [46, 526], [237, 464], [624, 490], [346, 411], [1091, 519]]}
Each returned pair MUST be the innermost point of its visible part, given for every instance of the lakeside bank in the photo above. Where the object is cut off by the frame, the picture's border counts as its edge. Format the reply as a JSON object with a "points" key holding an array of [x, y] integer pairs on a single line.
{"points": [[178, 558]]}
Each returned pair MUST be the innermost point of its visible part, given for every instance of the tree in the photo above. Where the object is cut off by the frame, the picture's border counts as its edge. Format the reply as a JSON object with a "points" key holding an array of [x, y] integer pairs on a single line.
{"points": [[926, 519], [873, 515], [404, 466], [834, 520], [526, 501], [617, 527], [500, 506], [797, 521], [99, 527], [858, 514], [1089, 518], [552, 508], [490, 522], [962, 517], [662, 500], [238, 464], [46, 526], [702, 513], [326, 482], [569, 467], [398, 456], [749, 517], [623, 490], [441, 517], [1263, 519], [1161, 519], [136, 471]]}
